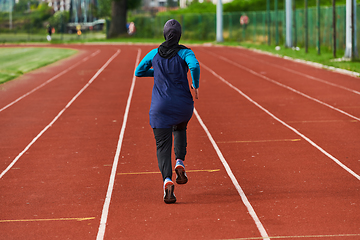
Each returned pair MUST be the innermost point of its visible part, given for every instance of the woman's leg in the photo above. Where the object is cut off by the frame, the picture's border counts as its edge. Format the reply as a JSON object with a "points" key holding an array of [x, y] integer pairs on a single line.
{"points": [[180, 144], [180, 140], [163, 137]]}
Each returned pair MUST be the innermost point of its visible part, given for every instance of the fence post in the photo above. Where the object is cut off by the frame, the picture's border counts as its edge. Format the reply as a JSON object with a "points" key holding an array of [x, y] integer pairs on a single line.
{"points": [[230, 25], [334, 28], [295, 25], [306, 27], [276, 24], [62, 26], [182, 23], [264, 25], [353, 26], [318, 25], [268, 20], [255, 26]]}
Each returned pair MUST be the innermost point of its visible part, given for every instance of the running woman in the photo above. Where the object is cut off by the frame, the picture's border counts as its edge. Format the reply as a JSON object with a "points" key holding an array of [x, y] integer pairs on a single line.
{"points": [[172, 104]]}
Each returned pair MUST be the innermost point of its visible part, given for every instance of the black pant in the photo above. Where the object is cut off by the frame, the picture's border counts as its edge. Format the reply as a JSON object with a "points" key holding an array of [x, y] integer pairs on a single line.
{"points": [[163, 137]]}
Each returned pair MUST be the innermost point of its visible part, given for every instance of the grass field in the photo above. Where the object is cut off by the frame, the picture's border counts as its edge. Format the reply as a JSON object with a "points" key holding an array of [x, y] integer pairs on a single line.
{"points": [[17, 61]]}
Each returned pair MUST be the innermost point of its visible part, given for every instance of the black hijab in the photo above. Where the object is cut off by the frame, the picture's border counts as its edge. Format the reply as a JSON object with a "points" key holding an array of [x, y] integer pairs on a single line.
{"points": [[172, 34]]}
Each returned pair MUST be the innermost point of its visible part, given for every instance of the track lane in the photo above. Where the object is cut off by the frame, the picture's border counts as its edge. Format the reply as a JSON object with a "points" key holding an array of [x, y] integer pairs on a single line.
{"points": [[291, 195], [208, 199], [318, 83], [27, 117], [18, 87], [317, 117], [292, 187], [63, 176], [49, 80], [295, 67]]}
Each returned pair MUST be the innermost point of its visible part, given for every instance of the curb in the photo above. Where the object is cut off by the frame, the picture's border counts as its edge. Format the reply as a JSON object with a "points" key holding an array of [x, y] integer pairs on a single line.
{"points": [[314, 64]]}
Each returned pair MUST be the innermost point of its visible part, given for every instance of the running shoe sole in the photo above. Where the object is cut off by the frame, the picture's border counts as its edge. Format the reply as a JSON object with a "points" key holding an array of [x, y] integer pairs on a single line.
{"points": [[181, 177], [169, 196]]}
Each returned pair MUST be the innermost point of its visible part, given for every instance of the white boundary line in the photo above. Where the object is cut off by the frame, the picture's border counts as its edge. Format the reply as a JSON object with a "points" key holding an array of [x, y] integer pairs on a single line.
{"points": [[313, 64], [58, 115], [285, 124], [246, 202], [287, 87], [105, 211], [50, 80]]}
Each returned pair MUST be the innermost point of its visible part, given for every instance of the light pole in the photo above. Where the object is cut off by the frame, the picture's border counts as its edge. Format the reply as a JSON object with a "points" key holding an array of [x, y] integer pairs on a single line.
{"points": [[289, 19], [219, 22], [10, 14], [350, 47]]}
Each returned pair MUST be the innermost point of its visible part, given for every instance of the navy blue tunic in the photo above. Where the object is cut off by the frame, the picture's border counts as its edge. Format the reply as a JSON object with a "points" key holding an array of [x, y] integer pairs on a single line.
{"points": [[171, 101]]}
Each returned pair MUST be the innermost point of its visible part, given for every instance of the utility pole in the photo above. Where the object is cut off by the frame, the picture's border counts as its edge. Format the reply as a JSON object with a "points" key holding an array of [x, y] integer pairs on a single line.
{"points": [[289, 19], [219, 21], [334, 28], [276, 24], [306, 27], [350, 47], [318, 26], [10, 13]]}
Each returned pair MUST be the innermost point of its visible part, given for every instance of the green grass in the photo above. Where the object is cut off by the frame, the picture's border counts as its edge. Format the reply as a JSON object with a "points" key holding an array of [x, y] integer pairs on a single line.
{"points": [[17, 61]]}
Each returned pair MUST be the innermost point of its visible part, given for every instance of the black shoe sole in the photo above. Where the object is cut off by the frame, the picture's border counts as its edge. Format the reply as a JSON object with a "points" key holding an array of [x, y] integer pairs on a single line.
{"points": [[169, 195], [181, 178]]}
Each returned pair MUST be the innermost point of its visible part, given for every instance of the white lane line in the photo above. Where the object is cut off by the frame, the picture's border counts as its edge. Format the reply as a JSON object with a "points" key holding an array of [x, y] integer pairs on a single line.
{"points": [[246, 202], [285, 124], [58, 115], [105, 211], [50, 80], [287, 87], [302, 74]]}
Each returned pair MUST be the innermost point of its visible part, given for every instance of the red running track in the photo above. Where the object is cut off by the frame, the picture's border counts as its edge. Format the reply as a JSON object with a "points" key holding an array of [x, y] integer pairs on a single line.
{"points": [[273, 151]]}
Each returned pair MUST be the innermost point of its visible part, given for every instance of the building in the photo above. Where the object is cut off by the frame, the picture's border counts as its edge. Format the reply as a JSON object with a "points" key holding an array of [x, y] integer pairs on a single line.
{"points": [[59, 5], [159, 3], [184, 2]]}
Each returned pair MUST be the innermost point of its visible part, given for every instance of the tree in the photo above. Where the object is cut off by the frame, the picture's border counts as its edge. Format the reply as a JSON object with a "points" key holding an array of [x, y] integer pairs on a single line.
{"points": [[119, 16]]}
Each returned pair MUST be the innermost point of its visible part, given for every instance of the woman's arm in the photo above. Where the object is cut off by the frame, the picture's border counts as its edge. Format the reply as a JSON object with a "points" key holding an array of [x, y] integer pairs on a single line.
{"points": [[190, 59], [144, 68]]}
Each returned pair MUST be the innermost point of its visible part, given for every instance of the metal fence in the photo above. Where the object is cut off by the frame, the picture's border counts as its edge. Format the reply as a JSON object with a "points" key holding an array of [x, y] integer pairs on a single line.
{"points": [[203, 27]]}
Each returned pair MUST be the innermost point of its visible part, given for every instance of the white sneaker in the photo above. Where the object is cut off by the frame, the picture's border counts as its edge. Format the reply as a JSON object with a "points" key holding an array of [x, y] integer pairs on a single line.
{"points": [[169, 196], [181, 177]]}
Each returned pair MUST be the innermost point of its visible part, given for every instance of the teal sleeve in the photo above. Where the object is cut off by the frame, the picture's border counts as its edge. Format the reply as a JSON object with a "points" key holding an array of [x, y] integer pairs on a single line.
{"points": [[144, 68], [190, 59]]}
